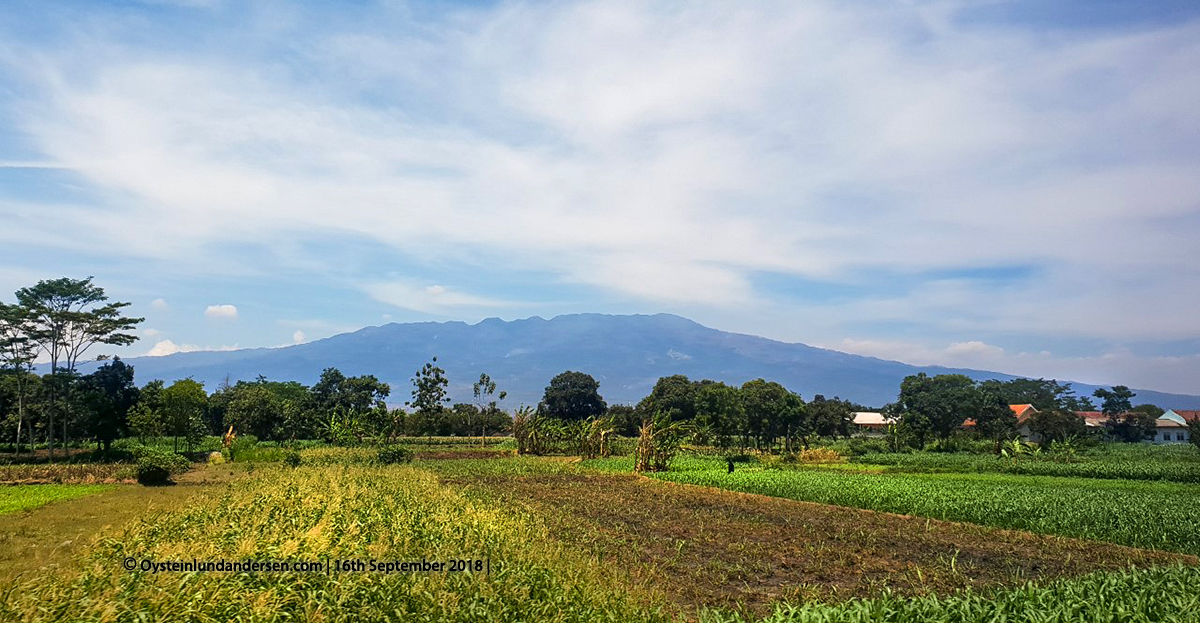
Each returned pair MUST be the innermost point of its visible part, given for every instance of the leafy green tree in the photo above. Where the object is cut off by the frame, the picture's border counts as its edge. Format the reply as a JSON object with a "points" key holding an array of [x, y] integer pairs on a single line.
{"points": [[1123, 422], [772, 412], [66, 318], [255, 409], [624, 419], [109, 393], [831, 417], [572, 396], [719, 410], [1154, 411], [182, 410], [1115, 401], [673, 395], [17, 352], [995, 420], [484, 389], [1132, 426], [935, 406], [1056, 425], [429, 396], [1194, 432]]}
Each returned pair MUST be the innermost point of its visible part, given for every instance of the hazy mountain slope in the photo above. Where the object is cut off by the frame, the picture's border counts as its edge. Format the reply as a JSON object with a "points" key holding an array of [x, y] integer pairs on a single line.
{"points": [[626, 354]]}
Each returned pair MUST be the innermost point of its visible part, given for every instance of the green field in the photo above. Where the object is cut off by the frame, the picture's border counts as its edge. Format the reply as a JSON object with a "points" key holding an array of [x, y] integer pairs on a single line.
{"points": [[18, 498], [1141, 514]]}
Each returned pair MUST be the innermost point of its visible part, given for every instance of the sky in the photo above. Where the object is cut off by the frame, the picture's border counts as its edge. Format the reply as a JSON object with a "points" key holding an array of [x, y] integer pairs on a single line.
{"points": [[1010, 186]]}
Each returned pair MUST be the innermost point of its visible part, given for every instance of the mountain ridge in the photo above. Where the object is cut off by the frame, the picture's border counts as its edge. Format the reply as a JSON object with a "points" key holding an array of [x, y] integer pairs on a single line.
{"points": [[625, 353]]}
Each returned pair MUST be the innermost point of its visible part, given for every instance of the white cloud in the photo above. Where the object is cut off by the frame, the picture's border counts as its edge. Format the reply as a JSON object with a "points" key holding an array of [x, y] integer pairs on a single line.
{"points": [[148, 332], [664, 153], [434, 299], [167, 347], [159, 305], [298, 337], [221, 311]]}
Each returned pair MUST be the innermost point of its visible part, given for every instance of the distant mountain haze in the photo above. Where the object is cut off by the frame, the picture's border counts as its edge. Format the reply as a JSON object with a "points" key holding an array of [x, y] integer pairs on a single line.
{"points": [[626, 354]]}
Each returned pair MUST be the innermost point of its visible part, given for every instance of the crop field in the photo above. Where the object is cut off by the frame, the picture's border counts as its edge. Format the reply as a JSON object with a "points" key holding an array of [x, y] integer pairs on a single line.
{"points": [[1176, 470], [19, 498], [66, 473], [559, 539], [1141, 514]]}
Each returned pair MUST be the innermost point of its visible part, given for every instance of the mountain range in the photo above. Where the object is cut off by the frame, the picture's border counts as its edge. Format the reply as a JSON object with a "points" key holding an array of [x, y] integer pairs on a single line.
{"points": [[626, 354]]}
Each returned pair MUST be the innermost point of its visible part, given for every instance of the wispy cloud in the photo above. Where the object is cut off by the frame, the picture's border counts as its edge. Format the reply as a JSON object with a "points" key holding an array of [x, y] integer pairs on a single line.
{"points": [[657, 155]]}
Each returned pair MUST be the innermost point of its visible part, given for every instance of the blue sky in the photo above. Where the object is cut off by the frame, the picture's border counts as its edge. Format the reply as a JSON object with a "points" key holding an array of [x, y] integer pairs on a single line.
{"points": [[1008, 186]]}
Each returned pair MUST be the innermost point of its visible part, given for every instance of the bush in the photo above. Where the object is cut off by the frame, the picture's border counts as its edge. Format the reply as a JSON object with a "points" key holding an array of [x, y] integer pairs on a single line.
{"points": [[292, 458], [392, 455], [155, 467]]}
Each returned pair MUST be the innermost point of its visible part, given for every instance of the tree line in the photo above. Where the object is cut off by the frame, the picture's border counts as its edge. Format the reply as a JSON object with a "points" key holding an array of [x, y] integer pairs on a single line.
{"points": [[62, 319]]}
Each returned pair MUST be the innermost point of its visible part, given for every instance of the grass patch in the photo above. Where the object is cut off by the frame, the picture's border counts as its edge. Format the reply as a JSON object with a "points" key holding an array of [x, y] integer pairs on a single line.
{"points": [[15, 499]]}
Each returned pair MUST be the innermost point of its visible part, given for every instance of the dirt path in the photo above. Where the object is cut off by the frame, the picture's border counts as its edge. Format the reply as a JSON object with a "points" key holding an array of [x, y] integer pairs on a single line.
{"points": [[45, 539]]}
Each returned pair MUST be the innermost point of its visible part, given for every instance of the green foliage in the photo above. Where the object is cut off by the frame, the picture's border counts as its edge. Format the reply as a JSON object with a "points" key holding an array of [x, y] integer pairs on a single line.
{"points": [[1060, 459], [292, 458], [1159, 595], [572, 396], [771, 412], [155, 467], [936, 406], [394, 454], [256, 410], [1056, 425], [658, 443], [182, 411], [674, 396], [831, 417], [1115, 400], [1132, 426], [429, 390]]}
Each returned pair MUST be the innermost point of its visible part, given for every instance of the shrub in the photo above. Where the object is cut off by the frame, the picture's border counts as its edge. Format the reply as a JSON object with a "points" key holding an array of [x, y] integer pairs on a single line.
{"points": [[292, 458], [392, 455], [155, 467]]}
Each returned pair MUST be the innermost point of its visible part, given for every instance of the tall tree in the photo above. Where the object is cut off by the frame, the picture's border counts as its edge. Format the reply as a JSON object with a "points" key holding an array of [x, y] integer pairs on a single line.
{"points": [[935, 406], [109, 394], [1123, 422], [572, 396], [429, 397], [68, 317], [1115, 401], [254, 409], [719, 410], [183, 405], [674, 396], [17, 352], [995, 420], [831, 418], [484, 389]]}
